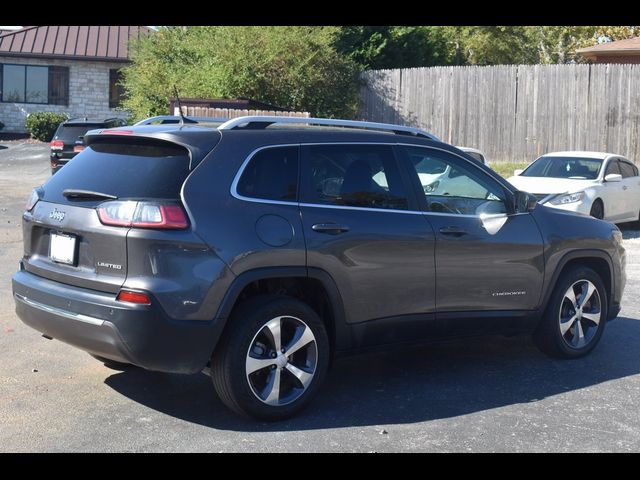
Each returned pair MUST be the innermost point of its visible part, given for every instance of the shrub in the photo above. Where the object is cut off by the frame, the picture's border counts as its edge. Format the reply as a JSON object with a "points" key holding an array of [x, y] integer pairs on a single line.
{"points": [[42, 125], [295, 67], [1, 125]]}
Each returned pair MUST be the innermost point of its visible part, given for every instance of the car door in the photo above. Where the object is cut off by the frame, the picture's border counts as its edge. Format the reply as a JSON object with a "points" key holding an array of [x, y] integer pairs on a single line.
{"points": [[487, 259], [613, 195], [362, 226], [630, 189]]}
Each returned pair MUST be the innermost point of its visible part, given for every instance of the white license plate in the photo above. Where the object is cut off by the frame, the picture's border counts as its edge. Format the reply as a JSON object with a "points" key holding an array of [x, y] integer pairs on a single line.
{"points": [[62, 248]]}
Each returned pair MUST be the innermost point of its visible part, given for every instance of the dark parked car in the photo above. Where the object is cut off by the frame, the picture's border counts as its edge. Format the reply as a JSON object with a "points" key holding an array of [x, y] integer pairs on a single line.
{"points": [[258, 251], [67, 142]]}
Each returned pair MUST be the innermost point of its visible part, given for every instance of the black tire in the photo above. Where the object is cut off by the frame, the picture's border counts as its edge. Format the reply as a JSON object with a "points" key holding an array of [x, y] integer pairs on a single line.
{"points": [[597, 209], [549, 337], [244, 329], [112, 364]]}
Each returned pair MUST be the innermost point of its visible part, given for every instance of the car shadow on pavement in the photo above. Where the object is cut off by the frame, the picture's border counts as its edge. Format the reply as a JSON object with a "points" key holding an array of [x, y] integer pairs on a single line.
{"points": [[406, 385]]}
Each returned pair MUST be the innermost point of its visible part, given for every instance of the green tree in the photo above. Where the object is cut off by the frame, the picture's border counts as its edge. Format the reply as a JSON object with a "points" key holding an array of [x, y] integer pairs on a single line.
{"points": [[557, 44], [489, 45], [293, 67], [380, 47]]}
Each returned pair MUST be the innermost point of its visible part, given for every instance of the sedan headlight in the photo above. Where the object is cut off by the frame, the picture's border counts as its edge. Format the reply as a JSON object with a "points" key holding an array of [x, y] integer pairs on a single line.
{"points": [[431, 187], [567, 198]]}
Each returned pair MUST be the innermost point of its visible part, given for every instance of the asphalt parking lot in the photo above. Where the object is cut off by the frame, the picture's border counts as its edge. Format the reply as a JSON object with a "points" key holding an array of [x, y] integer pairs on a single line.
{"points": [[484, 394]]}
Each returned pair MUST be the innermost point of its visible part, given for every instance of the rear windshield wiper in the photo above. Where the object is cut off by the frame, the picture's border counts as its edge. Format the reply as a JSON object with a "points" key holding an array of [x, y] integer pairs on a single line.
{"points": [[87, 194]]}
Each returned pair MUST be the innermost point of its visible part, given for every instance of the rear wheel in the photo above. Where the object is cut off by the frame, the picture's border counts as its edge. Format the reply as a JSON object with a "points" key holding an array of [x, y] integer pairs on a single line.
{"points": [[272, 358], [575, 317], [597, 209]]}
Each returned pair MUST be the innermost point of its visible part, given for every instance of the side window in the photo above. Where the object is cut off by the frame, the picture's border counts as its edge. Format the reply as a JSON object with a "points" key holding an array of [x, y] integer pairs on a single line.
{"points": [[452, 186], [354, 175], [612, 167], [271, 174], [627, 170]]}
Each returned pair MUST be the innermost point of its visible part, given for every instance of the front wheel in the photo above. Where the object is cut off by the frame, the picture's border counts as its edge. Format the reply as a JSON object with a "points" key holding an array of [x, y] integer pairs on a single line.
{"points": [[574, 320], [272, 358]]}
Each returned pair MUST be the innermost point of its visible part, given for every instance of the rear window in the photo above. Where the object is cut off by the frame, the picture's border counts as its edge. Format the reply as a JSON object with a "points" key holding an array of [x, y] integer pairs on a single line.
{"points": [[135, 169], [70, 133]]}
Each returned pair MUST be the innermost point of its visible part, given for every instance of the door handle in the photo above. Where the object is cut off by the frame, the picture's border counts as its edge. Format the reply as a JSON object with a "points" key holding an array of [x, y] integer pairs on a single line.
{"points": [[453, 231], [330, 228]]}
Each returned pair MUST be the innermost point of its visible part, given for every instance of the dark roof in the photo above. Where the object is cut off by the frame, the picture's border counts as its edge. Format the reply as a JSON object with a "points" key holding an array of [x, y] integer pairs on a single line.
{"points": [[109, 43], [629, 46]]}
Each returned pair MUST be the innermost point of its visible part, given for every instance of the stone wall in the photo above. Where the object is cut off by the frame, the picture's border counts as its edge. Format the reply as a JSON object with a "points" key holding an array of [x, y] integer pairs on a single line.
{"points": [[88, 93]]}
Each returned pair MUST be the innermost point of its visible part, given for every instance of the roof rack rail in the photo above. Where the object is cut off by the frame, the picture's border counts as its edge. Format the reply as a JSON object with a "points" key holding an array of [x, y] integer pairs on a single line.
{"points": [[265, 121], [164, 119]]}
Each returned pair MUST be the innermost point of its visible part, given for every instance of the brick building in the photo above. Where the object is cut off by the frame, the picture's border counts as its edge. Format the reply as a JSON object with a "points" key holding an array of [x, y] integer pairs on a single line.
{"points": [[71, 69], [621, 51]]}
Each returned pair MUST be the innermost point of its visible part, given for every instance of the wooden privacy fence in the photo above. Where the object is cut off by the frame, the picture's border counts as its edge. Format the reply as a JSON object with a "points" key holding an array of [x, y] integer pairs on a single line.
{"points": [[513, 112], [234, 112]]}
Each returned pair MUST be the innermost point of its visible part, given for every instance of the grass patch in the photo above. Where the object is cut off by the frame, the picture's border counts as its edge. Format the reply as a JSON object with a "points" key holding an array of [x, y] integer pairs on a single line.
{"points": [[505, 169]]}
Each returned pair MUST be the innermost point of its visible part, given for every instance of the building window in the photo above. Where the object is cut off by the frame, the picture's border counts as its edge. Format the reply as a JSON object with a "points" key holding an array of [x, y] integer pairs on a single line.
{"points": [[34, 84], [116, 90]]}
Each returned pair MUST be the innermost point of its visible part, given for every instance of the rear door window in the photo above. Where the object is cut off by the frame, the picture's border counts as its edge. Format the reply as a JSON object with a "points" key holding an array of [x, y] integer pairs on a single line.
{"points": [[136, 168], [354, 175]]}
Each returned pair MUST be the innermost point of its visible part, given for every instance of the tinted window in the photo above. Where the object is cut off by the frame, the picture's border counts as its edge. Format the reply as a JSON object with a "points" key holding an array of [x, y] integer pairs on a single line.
{"points": [[34, 84], [627, 169], [452, 186], [13, 77], [355, 175], [135, 169], [271, 174], [564, 167], [70, 133], [612, 167]]}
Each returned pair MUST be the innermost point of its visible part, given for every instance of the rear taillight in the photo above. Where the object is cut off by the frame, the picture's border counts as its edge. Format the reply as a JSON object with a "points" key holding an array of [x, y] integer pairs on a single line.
{"points": [[31, 202], [143, 215], [57, 145], [133, 297]]}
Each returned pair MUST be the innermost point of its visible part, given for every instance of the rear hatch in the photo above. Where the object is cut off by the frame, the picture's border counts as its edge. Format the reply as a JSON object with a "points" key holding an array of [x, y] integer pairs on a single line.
{"points": [[64, 237], [70, 134]]}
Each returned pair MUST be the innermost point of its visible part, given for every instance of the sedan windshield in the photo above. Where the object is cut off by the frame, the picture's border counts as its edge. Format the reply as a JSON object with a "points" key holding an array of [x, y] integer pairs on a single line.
{"points": [[564, 167]]}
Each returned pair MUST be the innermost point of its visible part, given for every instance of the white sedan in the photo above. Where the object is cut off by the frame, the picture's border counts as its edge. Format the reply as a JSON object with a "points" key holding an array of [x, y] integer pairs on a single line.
{"points": [[602, 185]]}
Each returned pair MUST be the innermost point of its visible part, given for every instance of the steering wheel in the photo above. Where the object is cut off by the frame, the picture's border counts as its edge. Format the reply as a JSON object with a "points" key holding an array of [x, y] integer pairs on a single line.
{"points": [[443, 208]]}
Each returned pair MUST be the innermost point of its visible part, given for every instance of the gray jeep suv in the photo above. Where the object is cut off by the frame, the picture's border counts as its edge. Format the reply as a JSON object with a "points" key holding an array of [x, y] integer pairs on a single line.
{"points": [[261, 249]]}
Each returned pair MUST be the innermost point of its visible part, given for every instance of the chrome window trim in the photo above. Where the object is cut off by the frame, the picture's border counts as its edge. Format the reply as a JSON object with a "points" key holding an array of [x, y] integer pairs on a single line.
{"points": [[366, 209], [234, 185]]}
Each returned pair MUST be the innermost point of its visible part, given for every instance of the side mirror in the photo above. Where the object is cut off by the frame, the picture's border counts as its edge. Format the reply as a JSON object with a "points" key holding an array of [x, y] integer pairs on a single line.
{"points": [[613, 177], [517, 171], [524, 202]]}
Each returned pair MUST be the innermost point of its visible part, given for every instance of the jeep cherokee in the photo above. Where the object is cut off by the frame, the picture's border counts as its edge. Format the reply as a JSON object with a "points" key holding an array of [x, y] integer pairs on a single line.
{"points": [[261, 249]]}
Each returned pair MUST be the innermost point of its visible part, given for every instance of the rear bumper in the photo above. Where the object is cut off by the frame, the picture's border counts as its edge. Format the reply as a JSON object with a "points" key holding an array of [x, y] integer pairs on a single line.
{"points": [[95, 322]]}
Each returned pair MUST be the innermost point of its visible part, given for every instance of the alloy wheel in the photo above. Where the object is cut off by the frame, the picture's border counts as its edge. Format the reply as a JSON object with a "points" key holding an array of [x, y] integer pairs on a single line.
{"points": [[281, 360], [580, 314]]}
